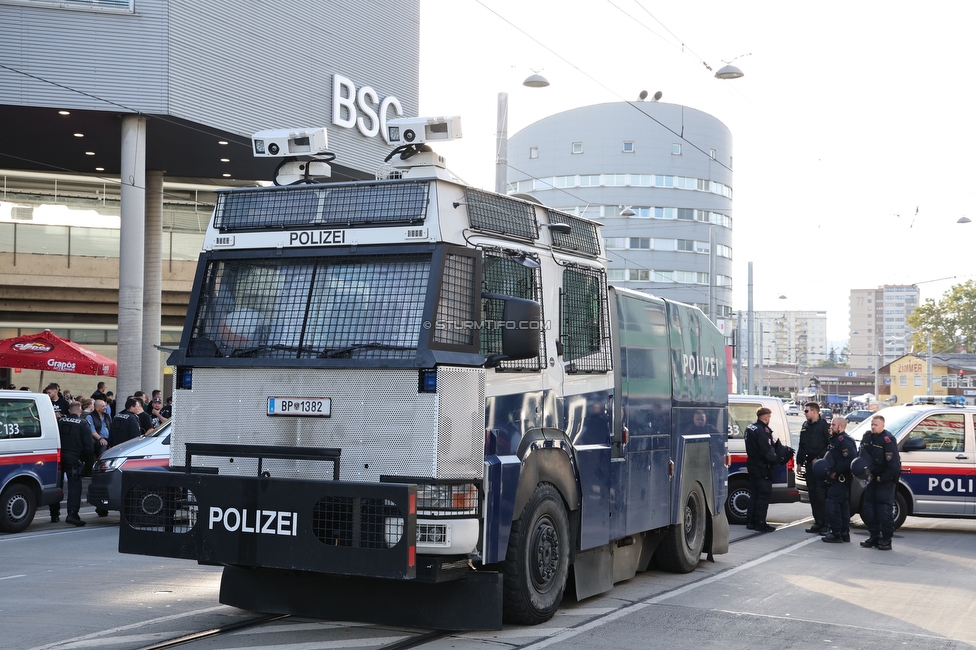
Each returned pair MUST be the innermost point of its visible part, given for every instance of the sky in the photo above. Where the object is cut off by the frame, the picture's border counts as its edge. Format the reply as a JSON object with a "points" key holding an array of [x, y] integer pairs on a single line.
{"points": [[853, 127]]}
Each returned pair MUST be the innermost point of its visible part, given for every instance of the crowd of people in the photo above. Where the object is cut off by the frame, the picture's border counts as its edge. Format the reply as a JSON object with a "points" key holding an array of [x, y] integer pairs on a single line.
{"points": [[90, 425], [831, 460]]}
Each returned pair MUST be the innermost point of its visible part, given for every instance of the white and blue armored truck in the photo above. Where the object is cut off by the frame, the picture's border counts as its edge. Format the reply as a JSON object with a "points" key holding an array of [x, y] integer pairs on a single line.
{"points": [[415, 402]]}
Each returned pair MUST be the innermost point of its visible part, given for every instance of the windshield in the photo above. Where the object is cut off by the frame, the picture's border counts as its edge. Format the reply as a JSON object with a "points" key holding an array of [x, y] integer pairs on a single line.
{"points": [[321, 307], [896, 418]]}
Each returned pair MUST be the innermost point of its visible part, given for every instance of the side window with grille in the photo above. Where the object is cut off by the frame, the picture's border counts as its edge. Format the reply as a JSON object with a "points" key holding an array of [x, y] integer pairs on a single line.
{"points": [[503, 275], [585, 332]]}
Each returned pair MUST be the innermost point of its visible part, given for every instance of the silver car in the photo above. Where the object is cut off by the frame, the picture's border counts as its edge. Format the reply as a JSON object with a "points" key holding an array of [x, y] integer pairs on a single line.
{"points": [[145, 452]]}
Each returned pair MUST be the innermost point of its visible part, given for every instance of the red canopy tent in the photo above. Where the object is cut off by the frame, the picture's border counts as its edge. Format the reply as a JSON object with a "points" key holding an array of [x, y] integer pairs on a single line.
{"points": [[47, 351]]}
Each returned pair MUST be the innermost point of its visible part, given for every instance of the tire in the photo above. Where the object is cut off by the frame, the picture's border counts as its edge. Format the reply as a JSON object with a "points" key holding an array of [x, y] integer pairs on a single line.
{"points": [[537, 561], [682, 548], [737, 505], [17, 508], [899, 509]]}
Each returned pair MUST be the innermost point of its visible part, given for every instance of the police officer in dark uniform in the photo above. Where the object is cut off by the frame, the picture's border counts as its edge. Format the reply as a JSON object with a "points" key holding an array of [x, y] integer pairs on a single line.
{"points": [[879, 497], [761, 458], [814, 438], [125, 425], [840, 452], [76, 450]]}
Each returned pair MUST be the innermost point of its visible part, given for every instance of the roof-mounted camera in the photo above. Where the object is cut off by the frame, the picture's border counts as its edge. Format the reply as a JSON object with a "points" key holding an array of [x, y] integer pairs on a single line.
{"points": [[304, 151], [419, 130], [281, 143]]}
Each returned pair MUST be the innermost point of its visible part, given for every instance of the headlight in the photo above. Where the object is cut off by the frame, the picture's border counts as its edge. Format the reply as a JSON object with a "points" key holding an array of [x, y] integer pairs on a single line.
{"points": [[108, 464], [448, 500]]}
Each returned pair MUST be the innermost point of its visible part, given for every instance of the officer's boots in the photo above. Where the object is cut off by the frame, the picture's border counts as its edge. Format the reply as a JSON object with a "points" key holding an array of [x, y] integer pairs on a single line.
{"points": [[870, 542], [74, 519], [884, 545]]}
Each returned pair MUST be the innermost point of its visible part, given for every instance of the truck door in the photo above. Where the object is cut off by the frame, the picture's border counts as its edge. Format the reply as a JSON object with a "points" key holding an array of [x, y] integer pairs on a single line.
{"points": [[642, 492], [942, 475]]}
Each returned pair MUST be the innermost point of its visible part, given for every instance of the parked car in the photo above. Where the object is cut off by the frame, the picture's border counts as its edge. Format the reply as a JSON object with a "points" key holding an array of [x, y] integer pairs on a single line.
{"points": [[938, 459], [792, 409], [742, 413], [826, 414], [858, 416], [30, 456], [145, 452]]}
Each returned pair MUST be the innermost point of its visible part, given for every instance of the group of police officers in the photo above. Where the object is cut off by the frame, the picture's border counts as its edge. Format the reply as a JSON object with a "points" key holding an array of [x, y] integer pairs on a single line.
{"points": [[831, 461]]}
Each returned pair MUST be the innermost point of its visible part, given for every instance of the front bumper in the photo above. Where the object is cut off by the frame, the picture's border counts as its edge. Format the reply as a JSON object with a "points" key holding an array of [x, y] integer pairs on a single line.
{"points": [[105, 490], [335, 527]]}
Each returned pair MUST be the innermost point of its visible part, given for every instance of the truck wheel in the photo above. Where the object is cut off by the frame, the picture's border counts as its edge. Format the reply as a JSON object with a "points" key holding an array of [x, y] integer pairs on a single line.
{"points": [[737, 505], [537, 561], [682, 547], [899, 511], [17, 507]]}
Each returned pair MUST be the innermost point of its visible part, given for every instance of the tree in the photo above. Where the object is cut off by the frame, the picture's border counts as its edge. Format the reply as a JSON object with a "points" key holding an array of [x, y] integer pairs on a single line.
{"points": [[951, 322]]}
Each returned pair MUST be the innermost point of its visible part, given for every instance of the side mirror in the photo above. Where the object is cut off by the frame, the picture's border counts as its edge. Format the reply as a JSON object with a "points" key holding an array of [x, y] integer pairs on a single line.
{"points": [[522, 322], [914, 444]]}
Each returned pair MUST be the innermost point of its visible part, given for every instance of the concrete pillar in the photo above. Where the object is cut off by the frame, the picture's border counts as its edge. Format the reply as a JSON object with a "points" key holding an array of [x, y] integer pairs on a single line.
{"points": [[153, 283], [132, 235]]}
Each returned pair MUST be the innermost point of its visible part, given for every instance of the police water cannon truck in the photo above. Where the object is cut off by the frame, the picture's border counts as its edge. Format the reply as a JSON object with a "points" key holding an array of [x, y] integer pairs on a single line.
{"points": [[440, 406]]}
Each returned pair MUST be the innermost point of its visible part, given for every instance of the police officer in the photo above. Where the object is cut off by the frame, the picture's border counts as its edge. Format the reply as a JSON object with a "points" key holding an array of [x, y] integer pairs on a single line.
{"points": [[880, 447], [814, 438], [125, 425], [76, 450], [761, 458], [840, 452]]}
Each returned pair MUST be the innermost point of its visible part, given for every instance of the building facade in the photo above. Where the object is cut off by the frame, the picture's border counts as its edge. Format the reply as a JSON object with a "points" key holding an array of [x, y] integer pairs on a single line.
{"points": [[123, 117], [796, 338], [658, 176], [879, 323]]}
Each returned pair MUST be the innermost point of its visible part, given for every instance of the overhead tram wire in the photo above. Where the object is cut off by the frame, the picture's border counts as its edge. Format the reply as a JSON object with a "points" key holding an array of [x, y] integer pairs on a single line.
{"points": [[604, 86]]}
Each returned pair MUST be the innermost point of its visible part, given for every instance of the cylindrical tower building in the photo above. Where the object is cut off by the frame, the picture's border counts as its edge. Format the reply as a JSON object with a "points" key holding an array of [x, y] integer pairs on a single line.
{"points": [[658, 176]]}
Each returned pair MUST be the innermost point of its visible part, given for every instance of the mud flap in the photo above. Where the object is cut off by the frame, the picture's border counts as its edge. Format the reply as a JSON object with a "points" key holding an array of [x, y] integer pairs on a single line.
{"points": [[472, 603]]}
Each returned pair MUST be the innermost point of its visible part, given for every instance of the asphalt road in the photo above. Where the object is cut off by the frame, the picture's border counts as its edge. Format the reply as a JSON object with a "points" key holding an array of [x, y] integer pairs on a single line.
{"points": [[66, 587]]}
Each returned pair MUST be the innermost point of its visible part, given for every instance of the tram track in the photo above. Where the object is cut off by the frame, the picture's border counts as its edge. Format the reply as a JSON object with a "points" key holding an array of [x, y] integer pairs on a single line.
{"points": [[414, 641]]}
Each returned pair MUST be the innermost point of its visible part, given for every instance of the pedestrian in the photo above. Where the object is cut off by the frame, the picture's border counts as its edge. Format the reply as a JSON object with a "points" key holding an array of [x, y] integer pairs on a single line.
{"points": [[879, 446], [125, 425], [761, 458], [57, 400], [76, 450], [167, 410], [110, 403], [100, 422], [99, 391], [840, 452], [145, 416], [814, 438]]}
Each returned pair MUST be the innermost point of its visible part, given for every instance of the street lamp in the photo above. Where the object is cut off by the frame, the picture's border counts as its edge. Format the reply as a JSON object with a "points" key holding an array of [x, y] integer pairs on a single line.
{"points": [[501, 139]]}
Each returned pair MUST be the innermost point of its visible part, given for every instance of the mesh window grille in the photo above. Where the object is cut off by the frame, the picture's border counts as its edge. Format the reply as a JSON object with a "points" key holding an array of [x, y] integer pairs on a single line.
{"points": [[333, 205], [584, 238], [585, 320], [501, 214], [357, 522], [306, 308], [505, 276], [456, 306], [160, 509]]}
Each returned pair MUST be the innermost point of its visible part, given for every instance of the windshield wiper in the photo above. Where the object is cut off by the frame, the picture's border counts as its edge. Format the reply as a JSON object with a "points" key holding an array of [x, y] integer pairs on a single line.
{"points": [[334, 353], [250, 352]]}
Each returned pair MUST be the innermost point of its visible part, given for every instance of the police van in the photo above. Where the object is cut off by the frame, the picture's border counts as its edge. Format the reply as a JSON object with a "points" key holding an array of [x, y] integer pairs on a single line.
{"points": [[938, 458], [30, 456], [742, 413]]}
